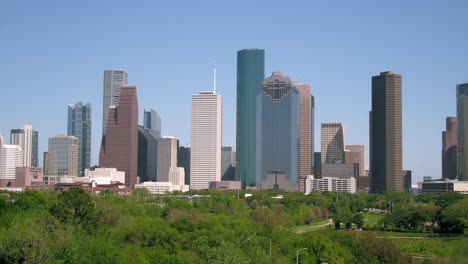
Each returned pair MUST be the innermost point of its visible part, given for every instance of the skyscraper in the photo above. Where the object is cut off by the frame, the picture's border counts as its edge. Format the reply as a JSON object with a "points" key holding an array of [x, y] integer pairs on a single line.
{"points": [[227, 166], [183, 161], [119, 147], [356, 154], [152, 123], [113, 82], [167, 157], [462, 129], [449, 149], [79, 125], [205, 156], [63, 156], [386, 133], [147, 155], [27, 138], [250, 74], [278, 134], [333, 142], [11, 156], [305, 133]]}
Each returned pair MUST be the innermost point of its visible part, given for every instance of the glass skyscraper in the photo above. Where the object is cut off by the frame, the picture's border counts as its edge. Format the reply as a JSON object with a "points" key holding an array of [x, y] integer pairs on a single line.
{"points": [[250, 74], [113, 82], [79, 125], [462, 128], [152, 123], [277, 134]]}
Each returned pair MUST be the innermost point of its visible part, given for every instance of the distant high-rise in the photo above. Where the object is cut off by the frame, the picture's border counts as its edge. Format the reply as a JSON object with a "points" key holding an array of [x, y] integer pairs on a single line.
{"points": [[11, 156], [152, 123], [278, 134], [167, 157], [63, 156], [45, 163], [356, 154], [317, 162], [205, 156], [227, 166], [113, 82], [183, 161], [386, 133], [147, 155], [305, 133], [333, 142], [79, 125], [449, 149], [462, 131], [250, 74], [119, 147], [27, 138]]}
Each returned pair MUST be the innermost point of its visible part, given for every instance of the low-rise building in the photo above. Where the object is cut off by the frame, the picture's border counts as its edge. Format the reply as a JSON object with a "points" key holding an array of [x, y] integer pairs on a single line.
{"points": [[445, 186], [330, 184]]}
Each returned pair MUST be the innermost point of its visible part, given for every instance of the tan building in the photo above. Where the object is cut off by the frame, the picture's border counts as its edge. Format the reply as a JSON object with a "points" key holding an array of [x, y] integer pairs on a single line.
{"points": [[356, 154], [63, 156], [449, 149], [386, 134], [26, 176]]}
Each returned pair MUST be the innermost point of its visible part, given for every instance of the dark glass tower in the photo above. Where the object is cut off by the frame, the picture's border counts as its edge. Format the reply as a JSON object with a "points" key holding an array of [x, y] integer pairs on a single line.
{"points": [[462, 130], [79, 125], [250, 74], [183, 160], [147, 155], [386, 133], [35, 149], [278, 134]]}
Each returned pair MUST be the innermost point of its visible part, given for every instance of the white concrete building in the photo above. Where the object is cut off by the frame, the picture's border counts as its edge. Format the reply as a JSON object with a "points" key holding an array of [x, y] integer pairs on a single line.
{"points": [[11, 156], [205, 159], [330, 184], [162, 187], [177, 175], [105, 175], [23, 137]]}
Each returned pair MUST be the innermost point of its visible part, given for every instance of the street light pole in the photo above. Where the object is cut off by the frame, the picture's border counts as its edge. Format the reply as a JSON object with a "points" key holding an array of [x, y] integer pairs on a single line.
{"points": [[297, 254]]}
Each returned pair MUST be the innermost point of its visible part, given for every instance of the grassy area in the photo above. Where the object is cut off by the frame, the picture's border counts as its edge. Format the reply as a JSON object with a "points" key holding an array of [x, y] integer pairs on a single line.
{"points": [[314, 226], [372, 219]]}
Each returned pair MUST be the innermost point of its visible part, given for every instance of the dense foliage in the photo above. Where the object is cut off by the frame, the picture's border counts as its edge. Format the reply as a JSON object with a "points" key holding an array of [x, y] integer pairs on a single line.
{"points": [[75, 227]]}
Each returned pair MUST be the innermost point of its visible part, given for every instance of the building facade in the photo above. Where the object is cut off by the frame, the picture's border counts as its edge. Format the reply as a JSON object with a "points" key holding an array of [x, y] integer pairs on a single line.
{"points": [[330, 184], [462, 131], [449, 149], [183, 161], [152, 123], [119, 147], [11, 157], [333, 142], [386, 134], [228, 165], [278, 133], [147, 155], [356, 154], [205, 156], [63, 156], [250, 74], [167, 157], [79, 125], [113, 82], [27, 138]]}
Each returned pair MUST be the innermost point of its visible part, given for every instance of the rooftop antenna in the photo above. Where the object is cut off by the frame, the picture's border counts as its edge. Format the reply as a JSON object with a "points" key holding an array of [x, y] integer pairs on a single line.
{"points": [[214, 79]]}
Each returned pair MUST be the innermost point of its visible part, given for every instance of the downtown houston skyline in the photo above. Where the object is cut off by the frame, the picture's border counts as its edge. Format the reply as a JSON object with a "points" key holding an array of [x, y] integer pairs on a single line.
{"points": [[169, 52]]}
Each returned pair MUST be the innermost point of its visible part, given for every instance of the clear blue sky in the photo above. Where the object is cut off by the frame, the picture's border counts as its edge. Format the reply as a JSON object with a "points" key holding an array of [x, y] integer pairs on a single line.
{"points": [[53, 53]]}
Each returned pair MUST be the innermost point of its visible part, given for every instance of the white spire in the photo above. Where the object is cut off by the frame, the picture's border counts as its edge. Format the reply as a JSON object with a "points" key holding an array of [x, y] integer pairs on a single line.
{"points": [[214, 79]]}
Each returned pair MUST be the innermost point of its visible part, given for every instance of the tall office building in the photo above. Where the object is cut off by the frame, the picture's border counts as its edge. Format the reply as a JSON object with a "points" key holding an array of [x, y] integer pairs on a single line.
{"points": [[27, 138], [45, 163], [250, 74], [113, 82], [312, 131], [462, 131], [356, 154], [167, 157], [333, 142], [305, 133], [317, 162], [152, 123], [79, 125], [2, 140], [278, 134], [449, 149], [386, 133], [228, 166], [147, 155], [63, 156], [119, 147], [183, 161], [11, 156], [205, 156]]}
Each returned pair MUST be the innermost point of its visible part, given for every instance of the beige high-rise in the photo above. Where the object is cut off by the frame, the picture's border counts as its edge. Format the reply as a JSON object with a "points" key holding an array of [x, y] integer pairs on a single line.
{"points": [[386, 133], [63, 156]]}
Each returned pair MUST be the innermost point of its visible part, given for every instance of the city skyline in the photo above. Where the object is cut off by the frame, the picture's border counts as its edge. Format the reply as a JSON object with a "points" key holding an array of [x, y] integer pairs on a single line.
{"points": [[320, 64]]}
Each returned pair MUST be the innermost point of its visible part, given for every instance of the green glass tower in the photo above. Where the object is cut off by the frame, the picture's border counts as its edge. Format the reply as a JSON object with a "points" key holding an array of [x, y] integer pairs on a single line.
{"points": [[250, 74], [462, 127]]}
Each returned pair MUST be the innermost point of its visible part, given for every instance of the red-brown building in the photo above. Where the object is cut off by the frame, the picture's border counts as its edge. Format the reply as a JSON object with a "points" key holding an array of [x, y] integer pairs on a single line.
{"points": [[449, 149], [119, 147]]}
